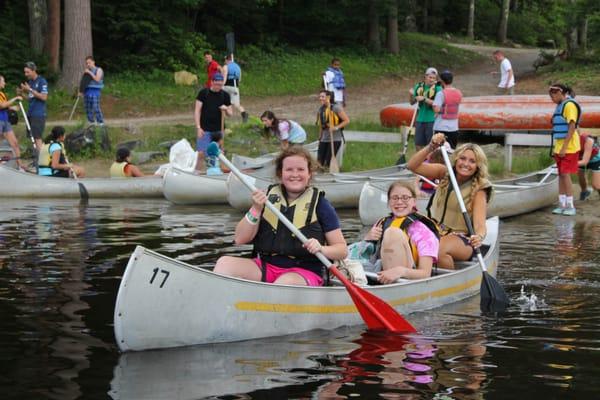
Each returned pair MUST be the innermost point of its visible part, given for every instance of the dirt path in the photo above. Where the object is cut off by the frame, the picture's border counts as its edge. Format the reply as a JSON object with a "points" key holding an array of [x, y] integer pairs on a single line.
{"points": [[365, 102]]}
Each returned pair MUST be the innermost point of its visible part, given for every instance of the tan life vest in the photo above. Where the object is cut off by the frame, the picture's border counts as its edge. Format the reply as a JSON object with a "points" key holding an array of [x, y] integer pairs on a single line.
{"points": [[117, 170], [445, 210]]}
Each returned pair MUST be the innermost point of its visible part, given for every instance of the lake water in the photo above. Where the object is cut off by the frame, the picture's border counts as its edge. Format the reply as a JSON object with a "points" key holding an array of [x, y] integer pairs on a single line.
{"points": [[60, 268]]}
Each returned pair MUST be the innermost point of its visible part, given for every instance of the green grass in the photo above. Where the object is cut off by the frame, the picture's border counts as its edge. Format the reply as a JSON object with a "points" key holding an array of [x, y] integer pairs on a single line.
{"points": [[582, 77], [278, 72]]}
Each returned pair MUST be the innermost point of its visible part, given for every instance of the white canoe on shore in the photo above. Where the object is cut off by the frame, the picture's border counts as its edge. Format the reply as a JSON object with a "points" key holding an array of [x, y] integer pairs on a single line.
{"points": [[243, 162], [25, 184], [512, 197], [341, 189], [164, 303]]}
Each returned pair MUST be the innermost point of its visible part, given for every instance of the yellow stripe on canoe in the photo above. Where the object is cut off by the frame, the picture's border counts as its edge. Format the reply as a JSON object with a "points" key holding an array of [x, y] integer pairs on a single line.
{"points": [[350, 308]]}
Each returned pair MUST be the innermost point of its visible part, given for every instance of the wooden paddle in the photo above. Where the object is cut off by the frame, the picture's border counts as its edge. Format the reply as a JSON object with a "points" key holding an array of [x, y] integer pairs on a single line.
{"points": [[334, 167], [74, 107], [493, 296], [405, 135], [376, 313]]}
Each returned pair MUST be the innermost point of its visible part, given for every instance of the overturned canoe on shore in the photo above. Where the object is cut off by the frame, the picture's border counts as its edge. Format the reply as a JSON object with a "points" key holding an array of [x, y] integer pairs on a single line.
{"points": [[511, 197], [163, 302], [25, 184], [341, 189], [519, 112]]}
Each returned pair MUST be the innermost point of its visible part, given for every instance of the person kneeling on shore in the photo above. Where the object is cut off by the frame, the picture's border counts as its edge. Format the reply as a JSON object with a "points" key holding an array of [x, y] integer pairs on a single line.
{"points": [[281, 257], [470, 166], [122, 167], [52, 160], [407, 242]]}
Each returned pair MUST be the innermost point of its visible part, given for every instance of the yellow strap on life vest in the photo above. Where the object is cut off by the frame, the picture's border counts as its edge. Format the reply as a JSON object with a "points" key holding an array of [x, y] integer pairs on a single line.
{"points": [[397, 223], [302, 206], [330, 116]]}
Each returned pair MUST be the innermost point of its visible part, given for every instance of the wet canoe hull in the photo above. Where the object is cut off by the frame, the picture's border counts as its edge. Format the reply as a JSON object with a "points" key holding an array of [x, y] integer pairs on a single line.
{"points": [[163, 302], [514, 113]]}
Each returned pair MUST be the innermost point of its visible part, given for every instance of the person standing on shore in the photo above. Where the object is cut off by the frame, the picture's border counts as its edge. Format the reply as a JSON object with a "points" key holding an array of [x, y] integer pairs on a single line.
{"points": [[331, 120], [446, 105], [36, 89], [507, 76], [212, 67], [211, 105], [335, 82], [91, 94], [424, 93], [566, 144], [233, 75], [6, 130]]}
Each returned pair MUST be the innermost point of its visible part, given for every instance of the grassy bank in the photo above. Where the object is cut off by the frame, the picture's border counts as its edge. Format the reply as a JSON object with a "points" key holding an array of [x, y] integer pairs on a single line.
{"points": [[582, 75], [280, 71]]}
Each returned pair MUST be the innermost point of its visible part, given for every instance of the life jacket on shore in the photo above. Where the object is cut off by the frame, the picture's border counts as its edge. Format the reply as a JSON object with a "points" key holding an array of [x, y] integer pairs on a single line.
{"points": [[429, 93], [404, 223], [452, 99], [560, 126], [93, 84], [338, 80], [327, 118], [275, 239]]}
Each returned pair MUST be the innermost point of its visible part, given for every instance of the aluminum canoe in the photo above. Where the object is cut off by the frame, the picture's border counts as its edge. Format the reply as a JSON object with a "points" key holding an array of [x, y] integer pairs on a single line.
{"points": [[165, 303], [512, 197], [25, 184], [244, 162]]}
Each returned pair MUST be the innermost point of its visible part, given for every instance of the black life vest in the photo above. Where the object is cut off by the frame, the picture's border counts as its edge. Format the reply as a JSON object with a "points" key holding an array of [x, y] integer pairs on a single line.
{"points": [[274, 239]]}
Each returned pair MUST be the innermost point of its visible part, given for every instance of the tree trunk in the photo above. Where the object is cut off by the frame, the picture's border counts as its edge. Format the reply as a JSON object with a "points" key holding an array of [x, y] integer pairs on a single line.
{"points": [[583, 33], [410, 23], [373, 41], [503, 24], [392, 28], [37, 24], [280, 11], [77, 42], [471, 24], [52, 44], [425, 16]]}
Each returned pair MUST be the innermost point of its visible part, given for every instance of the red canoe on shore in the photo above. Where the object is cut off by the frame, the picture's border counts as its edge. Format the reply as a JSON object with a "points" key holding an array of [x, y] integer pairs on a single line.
{"points": [[514, 113]]}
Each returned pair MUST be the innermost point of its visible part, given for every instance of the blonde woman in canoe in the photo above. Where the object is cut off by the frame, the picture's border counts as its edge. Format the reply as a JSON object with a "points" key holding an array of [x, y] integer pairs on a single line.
{"points": [[281, 257], [470, 166]]}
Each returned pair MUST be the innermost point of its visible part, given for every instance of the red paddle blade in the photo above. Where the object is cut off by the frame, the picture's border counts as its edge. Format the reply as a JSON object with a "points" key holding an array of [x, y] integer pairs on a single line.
{"points": [[376, 313]]}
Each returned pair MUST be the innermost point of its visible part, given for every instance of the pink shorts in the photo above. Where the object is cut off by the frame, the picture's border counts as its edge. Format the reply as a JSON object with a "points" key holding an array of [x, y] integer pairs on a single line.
{"points": [[273, 272], [567, 164]]}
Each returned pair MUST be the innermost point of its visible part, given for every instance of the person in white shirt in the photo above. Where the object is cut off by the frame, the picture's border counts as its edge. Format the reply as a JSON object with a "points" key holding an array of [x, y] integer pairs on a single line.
{"points": [[507, 76], [334, 82]]}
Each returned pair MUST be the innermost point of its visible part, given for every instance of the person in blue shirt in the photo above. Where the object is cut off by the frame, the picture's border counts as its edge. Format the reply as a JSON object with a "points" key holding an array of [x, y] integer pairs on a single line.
{"points": [[233, 76], [91, 94], [36, 90]]}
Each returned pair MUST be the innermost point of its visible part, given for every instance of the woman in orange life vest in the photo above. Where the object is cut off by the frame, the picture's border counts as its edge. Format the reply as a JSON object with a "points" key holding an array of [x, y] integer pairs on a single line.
{"points": [[281, 257], [122, 167], [408, 247], [589, 159], [470, 167]]}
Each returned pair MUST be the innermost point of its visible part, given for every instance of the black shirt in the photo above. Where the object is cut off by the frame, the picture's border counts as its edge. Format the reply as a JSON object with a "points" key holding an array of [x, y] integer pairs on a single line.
{"points": [[210, 116]]}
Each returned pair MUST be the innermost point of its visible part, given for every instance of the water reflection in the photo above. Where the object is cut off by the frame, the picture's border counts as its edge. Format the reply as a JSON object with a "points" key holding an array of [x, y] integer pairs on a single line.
{"points": [[60, 267]]}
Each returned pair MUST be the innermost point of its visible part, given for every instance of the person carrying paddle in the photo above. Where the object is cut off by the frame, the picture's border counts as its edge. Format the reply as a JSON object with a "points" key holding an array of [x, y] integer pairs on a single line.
{"points": [[566, 144], [446, 105], [470, 167], [233, 76], [280, 256], [52, 157], [6, 129], [36, 89], [91, 93], [122, 167], [589, 159], [424, 93], [331, 119], [407, 242], [287, 131]]}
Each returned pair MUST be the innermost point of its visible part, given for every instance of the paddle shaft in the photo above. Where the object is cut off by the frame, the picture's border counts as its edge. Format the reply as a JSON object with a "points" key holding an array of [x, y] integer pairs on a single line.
{"points": [[550, 171], [74, 107], [27, 124], [461, 202], [432, 183], [412, 123]]}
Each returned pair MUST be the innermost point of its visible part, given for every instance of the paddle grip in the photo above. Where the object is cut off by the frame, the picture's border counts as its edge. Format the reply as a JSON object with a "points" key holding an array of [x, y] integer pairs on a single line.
{"points": [[234, 170]]}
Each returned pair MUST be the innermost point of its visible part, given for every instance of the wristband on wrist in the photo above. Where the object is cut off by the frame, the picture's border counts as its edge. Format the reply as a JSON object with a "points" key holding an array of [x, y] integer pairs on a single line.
{"points": [[252, 220], [254, 212]]}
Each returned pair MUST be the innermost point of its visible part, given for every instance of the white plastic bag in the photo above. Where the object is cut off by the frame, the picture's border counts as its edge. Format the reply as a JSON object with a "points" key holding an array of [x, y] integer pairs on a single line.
{"points": [[183, 156]]}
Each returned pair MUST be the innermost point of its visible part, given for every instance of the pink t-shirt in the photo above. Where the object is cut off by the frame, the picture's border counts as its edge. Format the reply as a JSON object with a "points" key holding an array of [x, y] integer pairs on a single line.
{"points": [[427, 243]]}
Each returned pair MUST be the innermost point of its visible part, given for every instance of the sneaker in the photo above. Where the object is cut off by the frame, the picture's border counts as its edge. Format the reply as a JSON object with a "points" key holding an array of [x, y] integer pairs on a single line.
{"points": [[569, 211], [558, 210], [584, 195]]}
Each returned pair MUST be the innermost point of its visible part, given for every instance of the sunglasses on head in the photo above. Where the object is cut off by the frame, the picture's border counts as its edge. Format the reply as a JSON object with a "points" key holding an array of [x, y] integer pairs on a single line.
{"points": [[554, 90]]}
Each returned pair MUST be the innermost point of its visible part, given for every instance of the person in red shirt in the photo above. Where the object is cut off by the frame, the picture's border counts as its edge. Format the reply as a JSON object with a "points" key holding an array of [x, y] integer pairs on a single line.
{"points": [[212, 67]]}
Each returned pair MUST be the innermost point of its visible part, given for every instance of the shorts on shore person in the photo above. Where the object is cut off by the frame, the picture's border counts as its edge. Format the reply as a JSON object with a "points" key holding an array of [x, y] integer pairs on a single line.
{"points": [[424, 94], [6, 130]]}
